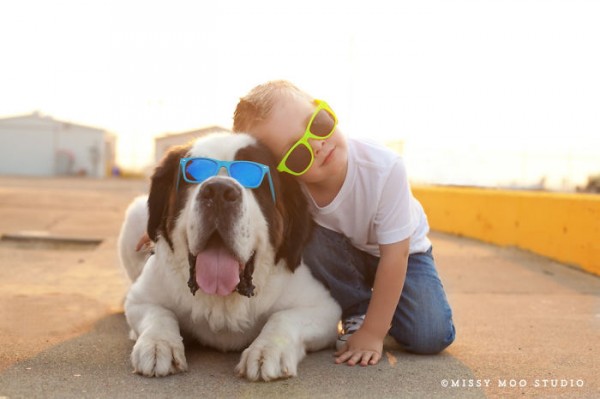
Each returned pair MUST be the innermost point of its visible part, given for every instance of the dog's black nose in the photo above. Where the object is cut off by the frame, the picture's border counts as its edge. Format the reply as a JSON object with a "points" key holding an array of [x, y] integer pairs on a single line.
{"points": [[220, 190]]}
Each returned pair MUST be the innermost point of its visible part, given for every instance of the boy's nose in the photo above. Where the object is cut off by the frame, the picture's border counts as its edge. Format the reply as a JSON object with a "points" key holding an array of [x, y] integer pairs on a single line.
{"points": [[316, 145]]}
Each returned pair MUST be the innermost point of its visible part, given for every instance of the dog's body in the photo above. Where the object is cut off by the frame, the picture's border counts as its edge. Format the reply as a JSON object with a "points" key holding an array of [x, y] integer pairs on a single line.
{"points": [[226, 269]]}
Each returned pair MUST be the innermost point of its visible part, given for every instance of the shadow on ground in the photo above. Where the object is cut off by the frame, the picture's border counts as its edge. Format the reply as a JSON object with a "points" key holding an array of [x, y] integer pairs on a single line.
{"points": [[96, 364]]}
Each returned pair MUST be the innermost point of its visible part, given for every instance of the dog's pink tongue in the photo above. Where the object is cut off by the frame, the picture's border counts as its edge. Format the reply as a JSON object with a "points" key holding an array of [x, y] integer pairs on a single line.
{"points": [[217, 271]]}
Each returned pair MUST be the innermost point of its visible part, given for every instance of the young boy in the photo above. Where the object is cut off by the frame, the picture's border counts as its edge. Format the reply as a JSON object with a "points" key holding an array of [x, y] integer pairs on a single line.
{"points": [[370, 246]]}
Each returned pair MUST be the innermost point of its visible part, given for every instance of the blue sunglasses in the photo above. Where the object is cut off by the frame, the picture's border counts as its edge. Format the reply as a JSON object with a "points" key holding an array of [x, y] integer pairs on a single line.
{"points": [[248, 174]]}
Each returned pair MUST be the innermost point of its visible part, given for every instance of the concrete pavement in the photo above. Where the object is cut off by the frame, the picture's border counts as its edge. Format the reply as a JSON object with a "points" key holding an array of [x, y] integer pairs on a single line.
{"points": [[526, 326]]}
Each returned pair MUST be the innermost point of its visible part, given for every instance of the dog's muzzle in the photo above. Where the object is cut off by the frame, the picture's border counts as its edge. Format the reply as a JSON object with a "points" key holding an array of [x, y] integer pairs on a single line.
{"points": [[216, 268]]}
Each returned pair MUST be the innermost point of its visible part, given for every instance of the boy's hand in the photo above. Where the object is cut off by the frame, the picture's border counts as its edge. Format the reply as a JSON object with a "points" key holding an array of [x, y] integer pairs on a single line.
{"points": [[144, 243], [362, 348]]}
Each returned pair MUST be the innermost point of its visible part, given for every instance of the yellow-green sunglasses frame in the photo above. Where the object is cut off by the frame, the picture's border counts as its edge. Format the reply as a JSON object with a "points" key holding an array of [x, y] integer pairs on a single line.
{"points": [[321, 105]]}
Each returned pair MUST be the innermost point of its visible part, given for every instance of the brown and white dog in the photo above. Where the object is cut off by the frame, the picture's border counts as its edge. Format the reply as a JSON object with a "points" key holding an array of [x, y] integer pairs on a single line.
{"points": [[271, 306]]}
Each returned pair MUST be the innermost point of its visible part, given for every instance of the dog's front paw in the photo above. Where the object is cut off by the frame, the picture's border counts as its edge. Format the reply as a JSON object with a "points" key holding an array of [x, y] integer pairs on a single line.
{"points": [[270, 360], [158, 357]]}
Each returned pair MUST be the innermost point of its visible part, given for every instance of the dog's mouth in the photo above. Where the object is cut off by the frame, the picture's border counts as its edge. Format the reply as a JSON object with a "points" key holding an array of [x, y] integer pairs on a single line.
{"points": [[216, 270]]}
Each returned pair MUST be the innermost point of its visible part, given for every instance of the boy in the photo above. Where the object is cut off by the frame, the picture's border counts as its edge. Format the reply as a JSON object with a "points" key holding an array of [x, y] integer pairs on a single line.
{"points": [[370, 246]]}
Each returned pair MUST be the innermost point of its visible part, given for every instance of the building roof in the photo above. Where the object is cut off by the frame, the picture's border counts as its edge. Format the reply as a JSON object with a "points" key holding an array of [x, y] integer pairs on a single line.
{"points": [[37, 116]]}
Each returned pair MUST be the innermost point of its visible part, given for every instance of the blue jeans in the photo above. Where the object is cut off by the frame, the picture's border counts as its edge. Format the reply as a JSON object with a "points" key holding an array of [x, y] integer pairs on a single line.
{"points": [[422, 322]]}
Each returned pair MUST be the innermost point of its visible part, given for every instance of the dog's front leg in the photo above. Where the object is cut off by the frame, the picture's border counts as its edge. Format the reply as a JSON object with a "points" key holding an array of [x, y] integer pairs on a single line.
{"points": [[284, 339], [277, 350], [306, 325], [159, 349]]}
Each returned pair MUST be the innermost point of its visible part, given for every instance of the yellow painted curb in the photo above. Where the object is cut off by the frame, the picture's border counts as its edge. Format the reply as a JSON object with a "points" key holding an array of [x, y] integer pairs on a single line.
{"points": [[564, 227]]}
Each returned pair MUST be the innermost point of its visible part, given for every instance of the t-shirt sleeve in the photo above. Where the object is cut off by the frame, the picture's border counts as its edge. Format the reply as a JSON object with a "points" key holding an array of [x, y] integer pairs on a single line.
{"points": [[393, 220]]}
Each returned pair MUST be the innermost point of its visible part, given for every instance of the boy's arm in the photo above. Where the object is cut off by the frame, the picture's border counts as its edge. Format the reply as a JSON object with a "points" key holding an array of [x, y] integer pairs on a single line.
{"points": [[366, 345]]}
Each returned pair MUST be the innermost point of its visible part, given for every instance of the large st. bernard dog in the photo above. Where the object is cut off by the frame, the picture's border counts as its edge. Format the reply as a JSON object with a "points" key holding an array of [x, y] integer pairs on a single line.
{"points": [[226, 267]]}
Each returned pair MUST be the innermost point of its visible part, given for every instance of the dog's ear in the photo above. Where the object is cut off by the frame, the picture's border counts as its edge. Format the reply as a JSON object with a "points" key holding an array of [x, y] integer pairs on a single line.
{"points": [[299, 224], [162, 193], [290, 220]]}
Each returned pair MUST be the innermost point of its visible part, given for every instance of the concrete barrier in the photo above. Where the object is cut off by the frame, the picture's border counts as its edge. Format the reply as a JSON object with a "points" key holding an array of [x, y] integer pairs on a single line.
{"points": [[564, 227]]}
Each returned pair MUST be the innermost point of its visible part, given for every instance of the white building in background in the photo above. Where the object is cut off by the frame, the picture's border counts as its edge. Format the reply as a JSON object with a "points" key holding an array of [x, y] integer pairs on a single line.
{"points": [[163, 143], [38, 145]]}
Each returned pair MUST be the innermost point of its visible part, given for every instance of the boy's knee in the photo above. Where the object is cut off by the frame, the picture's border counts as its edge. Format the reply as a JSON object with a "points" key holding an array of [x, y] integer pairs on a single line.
{"points": [[432, 346], [426, 341]]}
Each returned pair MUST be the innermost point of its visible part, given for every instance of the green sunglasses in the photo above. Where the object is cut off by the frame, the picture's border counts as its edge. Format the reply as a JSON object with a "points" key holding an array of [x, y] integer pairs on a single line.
{"points": [[300, 157]]}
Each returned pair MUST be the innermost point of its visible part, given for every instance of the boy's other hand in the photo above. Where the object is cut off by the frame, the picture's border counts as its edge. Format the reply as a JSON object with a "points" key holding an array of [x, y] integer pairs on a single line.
{"points": [[362, 348]]}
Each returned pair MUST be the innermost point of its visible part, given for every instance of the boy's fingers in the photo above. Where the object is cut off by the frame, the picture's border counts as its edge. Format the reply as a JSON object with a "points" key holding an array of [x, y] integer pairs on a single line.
{"points": [[371, 359], [343, 357], [362, 358], [357, 358], [376, 358], [366, 359]]}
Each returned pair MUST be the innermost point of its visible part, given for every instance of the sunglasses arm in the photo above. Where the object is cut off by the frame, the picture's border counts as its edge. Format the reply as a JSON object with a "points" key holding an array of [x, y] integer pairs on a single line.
{"points": [[271, 187]]}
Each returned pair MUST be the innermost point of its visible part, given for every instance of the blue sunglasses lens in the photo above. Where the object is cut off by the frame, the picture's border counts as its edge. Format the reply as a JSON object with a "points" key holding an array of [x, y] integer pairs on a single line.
{"points": [[198, 170], [247, 174]]}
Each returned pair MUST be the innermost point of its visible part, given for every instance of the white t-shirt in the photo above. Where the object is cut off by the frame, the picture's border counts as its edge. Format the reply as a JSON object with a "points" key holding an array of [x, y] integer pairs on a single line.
{"points": [[375, 205]]}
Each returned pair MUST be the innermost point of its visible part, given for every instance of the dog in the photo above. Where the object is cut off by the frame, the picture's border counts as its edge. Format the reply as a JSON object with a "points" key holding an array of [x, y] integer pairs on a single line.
{"points": [[226, 266]]}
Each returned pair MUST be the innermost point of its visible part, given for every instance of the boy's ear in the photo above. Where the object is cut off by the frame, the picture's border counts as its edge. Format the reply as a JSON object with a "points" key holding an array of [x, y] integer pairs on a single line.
{"points": [[162, 194]]}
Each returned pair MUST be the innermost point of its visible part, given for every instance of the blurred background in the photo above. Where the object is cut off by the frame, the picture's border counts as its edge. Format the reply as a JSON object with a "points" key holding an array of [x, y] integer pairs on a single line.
{"points": [[482, 93]]}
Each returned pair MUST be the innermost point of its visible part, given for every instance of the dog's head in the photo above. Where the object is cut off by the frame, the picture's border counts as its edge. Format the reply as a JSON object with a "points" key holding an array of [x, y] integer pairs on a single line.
{"points": [[221, 227]]}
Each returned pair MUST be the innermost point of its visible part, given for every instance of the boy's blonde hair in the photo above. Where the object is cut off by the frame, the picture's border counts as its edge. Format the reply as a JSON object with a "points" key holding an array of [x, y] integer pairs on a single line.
{"points": [[255, 106]]}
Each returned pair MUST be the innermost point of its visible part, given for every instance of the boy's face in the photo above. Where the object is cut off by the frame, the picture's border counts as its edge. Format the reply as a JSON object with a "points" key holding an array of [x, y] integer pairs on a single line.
{"points": [[286, 124]]}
